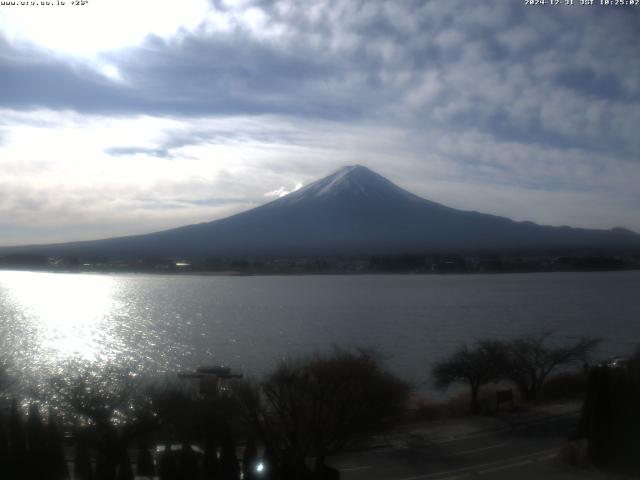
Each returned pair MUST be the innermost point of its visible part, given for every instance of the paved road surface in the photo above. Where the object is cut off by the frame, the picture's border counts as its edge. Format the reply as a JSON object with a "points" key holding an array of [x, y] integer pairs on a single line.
{"points": [[522, 452]]}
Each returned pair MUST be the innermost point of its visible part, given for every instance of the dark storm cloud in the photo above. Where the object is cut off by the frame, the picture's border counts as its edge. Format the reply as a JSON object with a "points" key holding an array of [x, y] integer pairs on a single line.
{"points": [[561, 77], [353, 60], [237, 74], [41, 82]]}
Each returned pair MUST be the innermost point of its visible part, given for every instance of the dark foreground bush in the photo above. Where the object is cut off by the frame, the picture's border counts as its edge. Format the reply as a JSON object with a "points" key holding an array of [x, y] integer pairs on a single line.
{"points": [[611, 416], [457, 405], [316, 406], [564, 386], [527, 362]]}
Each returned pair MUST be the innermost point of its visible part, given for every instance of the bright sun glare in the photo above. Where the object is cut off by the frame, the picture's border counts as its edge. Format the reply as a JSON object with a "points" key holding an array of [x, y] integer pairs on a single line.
{"points": [[99, 25], [67, 310]]}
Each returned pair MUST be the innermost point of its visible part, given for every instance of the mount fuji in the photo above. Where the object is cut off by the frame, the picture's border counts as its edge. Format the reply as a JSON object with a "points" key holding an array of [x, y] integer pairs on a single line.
{"points": [[353, 211]]}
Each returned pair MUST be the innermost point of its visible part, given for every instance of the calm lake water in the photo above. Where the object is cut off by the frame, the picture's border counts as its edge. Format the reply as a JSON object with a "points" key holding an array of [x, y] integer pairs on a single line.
{"points": [[167, 323]]}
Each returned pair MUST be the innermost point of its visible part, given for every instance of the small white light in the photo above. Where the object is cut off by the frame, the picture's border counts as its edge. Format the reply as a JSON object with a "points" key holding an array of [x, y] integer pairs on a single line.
{"points": [[260, 467]]}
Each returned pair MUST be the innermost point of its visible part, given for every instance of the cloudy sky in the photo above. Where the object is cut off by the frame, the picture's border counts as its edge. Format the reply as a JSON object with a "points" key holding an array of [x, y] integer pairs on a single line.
{"points": [[129, 116]]}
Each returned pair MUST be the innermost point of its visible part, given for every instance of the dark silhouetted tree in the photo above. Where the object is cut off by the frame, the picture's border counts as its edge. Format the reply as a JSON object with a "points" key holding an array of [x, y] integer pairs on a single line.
{"points": [[4, 449], [18, 458], [36, 434], [249, 459], [474, 366], [187, 463], [530, 360], [167, 465], [6, 380], [144, 463], [176, 410], [82, 467], [106, 465], [125, 472], [610, 419], [314, 407], [183, 416], [211, 463], [270, 465], [107, 398], [229, 467], [37, 441], [114, 403], [56, 460]]}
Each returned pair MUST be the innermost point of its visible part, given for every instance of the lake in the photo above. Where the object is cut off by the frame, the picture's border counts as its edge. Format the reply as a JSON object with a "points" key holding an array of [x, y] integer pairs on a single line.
{"points": [[164, 323]]}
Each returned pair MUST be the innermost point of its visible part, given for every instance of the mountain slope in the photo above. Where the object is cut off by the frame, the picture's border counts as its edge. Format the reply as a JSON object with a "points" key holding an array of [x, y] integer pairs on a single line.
{"points": [[352, 211]]}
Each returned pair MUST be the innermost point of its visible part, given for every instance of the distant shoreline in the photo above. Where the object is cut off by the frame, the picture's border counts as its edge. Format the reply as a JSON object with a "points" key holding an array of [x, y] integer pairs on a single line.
{"points": [[231, 273], [417, 264]]}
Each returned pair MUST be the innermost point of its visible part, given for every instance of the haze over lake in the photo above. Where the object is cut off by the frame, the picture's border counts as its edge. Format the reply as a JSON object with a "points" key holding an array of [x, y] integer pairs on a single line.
{"points": [[167, 323]]}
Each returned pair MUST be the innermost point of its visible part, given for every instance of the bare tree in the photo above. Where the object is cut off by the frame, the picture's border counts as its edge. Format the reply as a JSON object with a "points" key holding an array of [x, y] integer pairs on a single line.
{"points": [[314, 407], [5, 379], [106, 397], [475, 366], [113, 403], [183, 415], [530, 360]]}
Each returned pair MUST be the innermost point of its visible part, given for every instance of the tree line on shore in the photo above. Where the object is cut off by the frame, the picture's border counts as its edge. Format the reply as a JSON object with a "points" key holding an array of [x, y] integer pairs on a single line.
{"points": [[526, 362], [288, 423], [471, 262], [305, 409]]}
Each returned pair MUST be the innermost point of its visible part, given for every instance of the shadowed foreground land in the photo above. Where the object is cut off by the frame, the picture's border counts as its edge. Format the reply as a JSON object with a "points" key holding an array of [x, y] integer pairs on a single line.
{"points": [[339, 415]]}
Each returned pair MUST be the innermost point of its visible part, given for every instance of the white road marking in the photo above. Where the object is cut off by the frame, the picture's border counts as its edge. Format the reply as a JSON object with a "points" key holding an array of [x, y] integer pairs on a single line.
{"points": [[351, 469], [464, 452]]}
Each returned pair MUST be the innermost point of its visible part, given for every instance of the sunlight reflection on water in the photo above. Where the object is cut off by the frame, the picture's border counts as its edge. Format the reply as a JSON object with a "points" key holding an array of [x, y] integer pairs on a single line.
{"points": [[67, 313], [55, 323], [58, 324]]}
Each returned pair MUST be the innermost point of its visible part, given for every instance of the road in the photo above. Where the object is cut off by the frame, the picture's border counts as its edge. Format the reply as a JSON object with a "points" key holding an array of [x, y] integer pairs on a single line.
{"points": [[522, 452]]}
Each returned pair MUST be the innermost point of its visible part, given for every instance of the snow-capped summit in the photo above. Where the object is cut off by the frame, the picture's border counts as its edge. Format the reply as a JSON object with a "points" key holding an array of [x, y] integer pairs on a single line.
{"points": [[351, 211], [348, 182]]}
